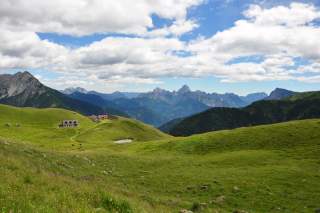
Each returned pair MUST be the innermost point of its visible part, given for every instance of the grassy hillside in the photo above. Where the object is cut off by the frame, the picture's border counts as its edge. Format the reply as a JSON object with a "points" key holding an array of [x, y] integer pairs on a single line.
{"points": [[271, 168], [121, 129], [297, 107], [40, 126]]}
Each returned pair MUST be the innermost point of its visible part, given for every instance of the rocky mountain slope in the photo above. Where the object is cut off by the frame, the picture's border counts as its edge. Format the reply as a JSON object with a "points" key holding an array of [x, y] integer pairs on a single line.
{"points": [[23, 89]]}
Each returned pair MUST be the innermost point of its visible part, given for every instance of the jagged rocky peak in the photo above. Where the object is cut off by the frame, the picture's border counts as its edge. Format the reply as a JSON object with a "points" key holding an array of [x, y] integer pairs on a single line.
{"points": [[280, 90], [117, 92], [24, 74], [21, 82], [71, 90], [24, 77], [184, 89], [158, 90]]}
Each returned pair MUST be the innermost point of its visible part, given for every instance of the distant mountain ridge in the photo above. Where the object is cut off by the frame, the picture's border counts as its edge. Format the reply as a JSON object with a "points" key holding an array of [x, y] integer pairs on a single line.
{"points": [[253, 97], [106, 96], [298, 106], [160, 106], [208, 99], [185, 102], [71, 90], [24, 90], [96, 100]]}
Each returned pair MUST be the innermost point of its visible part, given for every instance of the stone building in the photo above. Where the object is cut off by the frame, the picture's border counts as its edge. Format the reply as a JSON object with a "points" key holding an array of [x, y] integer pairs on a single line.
{"points": [[69, 123], [97, 118]]}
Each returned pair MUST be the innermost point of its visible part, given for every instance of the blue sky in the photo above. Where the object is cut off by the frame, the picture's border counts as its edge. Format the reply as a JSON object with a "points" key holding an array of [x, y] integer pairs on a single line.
{"points": [[138, 56]]}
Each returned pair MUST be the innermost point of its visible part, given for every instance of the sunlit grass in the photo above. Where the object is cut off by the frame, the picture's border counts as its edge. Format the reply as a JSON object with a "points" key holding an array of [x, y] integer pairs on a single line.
{"points": [[271, 168]]}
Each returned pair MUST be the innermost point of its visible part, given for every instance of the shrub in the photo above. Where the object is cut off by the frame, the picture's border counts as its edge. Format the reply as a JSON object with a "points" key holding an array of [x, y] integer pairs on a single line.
{"points": [[195, 207], [27, 180], [112, 205]]}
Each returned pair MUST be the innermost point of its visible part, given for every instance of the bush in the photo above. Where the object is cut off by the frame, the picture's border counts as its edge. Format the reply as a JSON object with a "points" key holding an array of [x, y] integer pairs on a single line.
{"points": [[112, 205], [195, 207], [27, 180]]}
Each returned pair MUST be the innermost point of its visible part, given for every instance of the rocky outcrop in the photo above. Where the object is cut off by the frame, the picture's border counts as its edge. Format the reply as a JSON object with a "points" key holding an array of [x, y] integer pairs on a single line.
{"points": [[24, 90], [21, 85]]}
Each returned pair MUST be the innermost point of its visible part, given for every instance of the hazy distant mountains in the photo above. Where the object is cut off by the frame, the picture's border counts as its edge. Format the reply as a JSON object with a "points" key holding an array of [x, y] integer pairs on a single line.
{"points": [[160, 106], [24, 90], [70, 90], [105, 96], [297, 106], [207, 99], [96, 100]]}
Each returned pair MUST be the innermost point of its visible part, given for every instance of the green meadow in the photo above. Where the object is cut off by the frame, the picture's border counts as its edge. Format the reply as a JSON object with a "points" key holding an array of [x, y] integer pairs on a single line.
{"points": [[262, 169]]}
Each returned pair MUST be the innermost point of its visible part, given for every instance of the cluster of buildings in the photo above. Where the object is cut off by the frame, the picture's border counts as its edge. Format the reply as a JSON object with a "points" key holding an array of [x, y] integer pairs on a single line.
{"points": [[75, 123], [69, 123], [97, 118]]}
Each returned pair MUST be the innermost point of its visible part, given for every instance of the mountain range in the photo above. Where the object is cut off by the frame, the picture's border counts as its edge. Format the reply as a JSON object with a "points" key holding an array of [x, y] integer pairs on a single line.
{"points": [[295, 107], [161, 106]]}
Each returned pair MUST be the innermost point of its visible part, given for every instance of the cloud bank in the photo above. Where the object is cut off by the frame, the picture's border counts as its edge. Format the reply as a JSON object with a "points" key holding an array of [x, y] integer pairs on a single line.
{"points": [[267, 44]]}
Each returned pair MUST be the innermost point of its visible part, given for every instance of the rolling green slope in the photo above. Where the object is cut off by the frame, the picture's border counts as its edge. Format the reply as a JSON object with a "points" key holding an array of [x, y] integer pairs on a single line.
{"points": [[262, 169], [40, 126], [28, 116], [121, 129]]}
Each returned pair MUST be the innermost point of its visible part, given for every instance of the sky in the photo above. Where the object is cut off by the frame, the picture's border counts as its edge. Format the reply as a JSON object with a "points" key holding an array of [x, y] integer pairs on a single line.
{"points": [[239, 46]]}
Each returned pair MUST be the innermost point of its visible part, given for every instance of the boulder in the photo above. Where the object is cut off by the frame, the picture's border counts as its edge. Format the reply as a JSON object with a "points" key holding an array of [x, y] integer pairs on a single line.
{"points": [[219, 199], [185, 211], [240, 211]]}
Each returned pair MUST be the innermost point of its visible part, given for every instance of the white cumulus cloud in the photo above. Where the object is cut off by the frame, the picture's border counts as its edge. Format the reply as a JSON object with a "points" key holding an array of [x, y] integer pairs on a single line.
{"points": [[278, 35], [84, 17]]}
